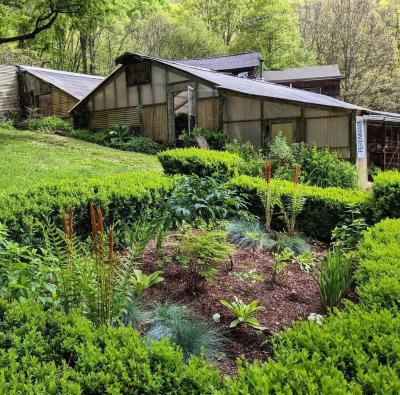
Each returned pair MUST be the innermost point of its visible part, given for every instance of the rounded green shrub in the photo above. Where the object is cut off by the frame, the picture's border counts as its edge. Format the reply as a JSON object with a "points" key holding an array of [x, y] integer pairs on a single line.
{"points": [[351, 352], [378, 271], [386, 192], [51, 353], [199, 161]]}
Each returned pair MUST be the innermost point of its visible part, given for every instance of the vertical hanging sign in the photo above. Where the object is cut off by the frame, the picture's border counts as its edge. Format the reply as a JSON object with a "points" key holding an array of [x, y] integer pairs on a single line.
{"points": [[360, 137]]}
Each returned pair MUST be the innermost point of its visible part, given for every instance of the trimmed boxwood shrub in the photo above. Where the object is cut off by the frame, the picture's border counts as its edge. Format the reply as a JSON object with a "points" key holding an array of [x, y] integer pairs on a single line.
{"points": [[120, 196], [378, 272], [51, 353], [199, 161], [324, 208], [352, 352], [386, 192]]}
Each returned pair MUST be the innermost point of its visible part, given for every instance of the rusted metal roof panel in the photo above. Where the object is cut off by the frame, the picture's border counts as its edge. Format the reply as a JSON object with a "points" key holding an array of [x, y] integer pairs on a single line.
{"points": [[75, 84]]}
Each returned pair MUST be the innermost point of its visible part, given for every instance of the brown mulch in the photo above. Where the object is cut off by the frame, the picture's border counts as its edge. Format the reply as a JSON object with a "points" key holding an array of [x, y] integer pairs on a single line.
{"points": [[294, 296]]}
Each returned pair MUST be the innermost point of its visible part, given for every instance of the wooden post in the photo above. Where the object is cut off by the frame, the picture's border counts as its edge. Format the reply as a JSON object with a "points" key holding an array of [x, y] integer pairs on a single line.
{"points": [[352, 138], [302, 125], [170, 117], [263, 125]]}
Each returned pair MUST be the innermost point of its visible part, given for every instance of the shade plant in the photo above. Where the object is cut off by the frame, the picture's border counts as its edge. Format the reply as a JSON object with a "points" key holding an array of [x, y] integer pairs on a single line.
{"points": [[244, 313], [200, 198], [49, 124], [141, 281]]}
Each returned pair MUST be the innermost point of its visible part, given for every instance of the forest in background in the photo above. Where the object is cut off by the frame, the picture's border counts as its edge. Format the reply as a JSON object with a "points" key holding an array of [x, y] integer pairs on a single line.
{"points": [[362, 36]]}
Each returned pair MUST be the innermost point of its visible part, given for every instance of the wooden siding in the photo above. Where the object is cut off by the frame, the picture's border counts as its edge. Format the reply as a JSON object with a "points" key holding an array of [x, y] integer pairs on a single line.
{"points": [[208, 113], [274, 110], [330, 132], [61, 103], [242, 109], [106, 118], [204, 91], [155, 122], [8, 88]]}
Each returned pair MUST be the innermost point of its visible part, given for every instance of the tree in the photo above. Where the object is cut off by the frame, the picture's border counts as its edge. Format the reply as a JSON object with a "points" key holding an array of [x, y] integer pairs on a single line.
{"points": [[166, 37], [355, 34], [223, 17], [271, 27], [28, 18]]}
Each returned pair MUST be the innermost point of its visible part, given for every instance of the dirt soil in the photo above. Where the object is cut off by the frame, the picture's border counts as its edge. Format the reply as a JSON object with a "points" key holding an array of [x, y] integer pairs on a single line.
{"points": [[294, 296]]}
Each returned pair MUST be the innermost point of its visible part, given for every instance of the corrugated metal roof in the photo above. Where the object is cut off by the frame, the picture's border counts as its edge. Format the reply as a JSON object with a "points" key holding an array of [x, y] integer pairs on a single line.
{"points": [[225, 62], [75, 84], [260, 88], [244, 86], [328, 71], [383, 117]]}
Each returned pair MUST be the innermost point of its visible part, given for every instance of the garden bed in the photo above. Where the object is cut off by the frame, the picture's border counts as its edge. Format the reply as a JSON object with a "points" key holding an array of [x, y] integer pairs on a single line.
{"points": [[294, 296]]}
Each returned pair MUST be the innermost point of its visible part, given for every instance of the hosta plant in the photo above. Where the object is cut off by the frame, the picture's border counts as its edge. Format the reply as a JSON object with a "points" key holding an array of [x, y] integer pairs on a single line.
{"points": [[244, 313], [141, 281], [306, 261]]}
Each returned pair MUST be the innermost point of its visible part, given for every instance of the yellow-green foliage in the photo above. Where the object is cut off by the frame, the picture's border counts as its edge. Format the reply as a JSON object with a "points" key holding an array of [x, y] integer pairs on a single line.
{"points": [[203, 162], [121, 198], [378, 272], [52, 353], [386, 191], [352, 352], [323, 208]]}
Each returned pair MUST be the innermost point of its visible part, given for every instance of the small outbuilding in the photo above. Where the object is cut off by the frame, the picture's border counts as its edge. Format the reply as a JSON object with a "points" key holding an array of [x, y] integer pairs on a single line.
{"points": [[151, 94], [324, 79], [54, 92]]}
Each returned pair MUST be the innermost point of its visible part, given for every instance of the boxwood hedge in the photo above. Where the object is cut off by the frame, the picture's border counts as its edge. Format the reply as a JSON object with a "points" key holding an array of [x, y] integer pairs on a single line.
{"points": [[386, 193], [378, 272], [51, 353], [120, 196], [324, 207], [203, 162], [352, 352]]}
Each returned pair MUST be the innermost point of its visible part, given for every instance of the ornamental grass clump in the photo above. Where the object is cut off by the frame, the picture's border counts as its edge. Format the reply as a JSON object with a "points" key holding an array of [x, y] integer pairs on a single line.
{"points": [[334, 278]]}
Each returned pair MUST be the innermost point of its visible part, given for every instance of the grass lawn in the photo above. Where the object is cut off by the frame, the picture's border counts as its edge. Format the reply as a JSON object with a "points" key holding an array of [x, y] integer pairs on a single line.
{"points": [[29, 158]]}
